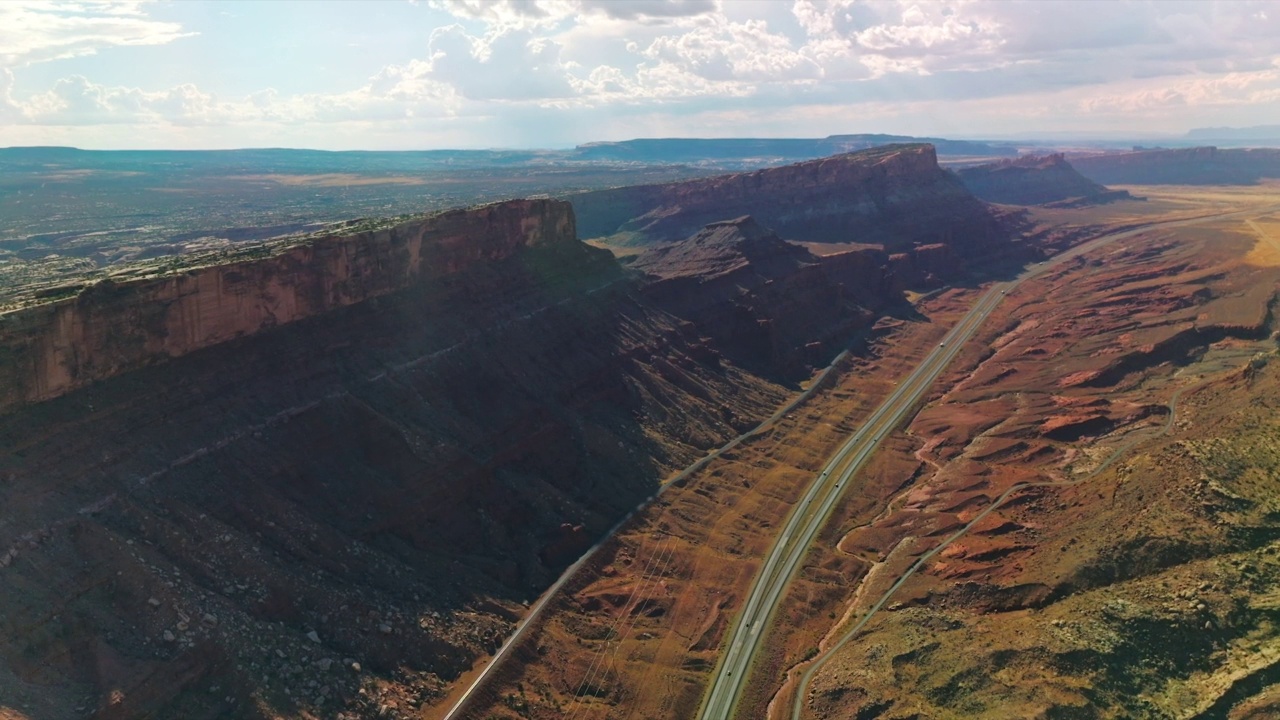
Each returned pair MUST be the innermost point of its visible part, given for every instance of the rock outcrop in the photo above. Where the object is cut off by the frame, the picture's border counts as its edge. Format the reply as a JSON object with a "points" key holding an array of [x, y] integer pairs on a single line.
{"points": [[895, 195], [1187, 166], [1035, 180], [768, 303], [115, 326]]}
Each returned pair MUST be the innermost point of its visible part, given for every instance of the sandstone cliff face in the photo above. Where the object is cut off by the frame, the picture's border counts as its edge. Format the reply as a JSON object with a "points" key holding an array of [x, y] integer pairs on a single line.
{"points": [[769, 304], [1188, 166], [1033, 180], [894, 195], [114, 327]]}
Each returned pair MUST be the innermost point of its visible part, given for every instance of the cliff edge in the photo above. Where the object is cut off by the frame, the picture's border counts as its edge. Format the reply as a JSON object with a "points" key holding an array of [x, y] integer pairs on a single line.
{"points": [[118, 325]]}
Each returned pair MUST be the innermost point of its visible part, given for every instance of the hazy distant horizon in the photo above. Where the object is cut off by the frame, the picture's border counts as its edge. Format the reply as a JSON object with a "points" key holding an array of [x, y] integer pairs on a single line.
{"points": [[1195, 136], [479, 74]]}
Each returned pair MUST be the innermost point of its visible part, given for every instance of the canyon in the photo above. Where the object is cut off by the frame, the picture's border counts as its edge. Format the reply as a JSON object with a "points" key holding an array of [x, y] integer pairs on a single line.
{"points": [[323, 475], [326, 475], [1079, 366]]}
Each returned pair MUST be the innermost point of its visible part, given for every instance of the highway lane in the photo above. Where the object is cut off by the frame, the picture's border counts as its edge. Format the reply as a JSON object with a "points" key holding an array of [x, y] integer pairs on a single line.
{"points": [[815, 506], [785, 557]]}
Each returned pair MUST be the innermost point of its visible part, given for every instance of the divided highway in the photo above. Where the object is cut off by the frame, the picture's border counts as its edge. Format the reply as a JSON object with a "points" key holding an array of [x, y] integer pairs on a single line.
{"points": [[815, 506], [811, 512]]}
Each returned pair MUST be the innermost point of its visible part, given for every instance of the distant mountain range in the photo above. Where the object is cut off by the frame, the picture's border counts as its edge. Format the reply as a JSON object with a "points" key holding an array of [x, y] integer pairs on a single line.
{"points": [[732, 153], [1257, 132], [701, 150]]}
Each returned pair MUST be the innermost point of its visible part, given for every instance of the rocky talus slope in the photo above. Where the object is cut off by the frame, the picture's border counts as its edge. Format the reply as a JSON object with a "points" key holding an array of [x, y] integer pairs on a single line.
{"points": [[1035, 180]]}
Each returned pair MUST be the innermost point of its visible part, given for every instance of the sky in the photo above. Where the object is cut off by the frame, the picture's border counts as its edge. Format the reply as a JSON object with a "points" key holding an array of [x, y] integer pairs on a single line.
{"points": [[423, 74]]}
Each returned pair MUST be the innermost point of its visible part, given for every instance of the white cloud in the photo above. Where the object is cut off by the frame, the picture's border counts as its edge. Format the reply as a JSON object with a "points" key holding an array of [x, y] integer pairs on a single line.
{"points": [[10, 111], [734, 51], [34, 31], [1231, 89], [509, 14], [507, 64], [393, 94]]}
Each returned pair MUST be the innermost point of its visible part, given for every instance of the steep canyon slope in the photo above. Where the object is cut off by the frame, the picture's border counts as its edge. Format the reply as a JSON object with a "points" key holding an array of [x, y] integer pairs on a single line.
{"points": [[768, 303]]}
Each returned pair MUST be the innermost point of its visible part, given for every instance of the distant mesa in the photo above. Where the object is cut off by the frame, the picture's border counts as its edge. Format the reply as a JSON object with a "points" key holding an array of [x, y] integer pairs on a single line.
{"points": [[1186, 166], [1258, 133], [1035, 180], [895, 196], [704, 150]]}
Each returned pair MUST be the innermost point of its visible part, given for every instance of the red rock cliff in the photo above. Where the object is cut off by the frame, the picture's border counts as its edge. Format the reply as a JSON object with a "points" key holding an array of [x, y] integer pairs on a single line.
{"points": [[114, 327]]}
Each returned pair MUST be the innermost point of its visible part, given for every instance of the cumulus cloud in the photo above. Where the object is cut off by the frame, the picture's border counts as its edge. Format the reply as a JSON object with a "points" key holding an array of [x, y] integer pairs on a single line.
{"points": [[35, 31], [1231, 89], [519, 14], [9, 110], [394, 93], [507, 64], [733, 51]]}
